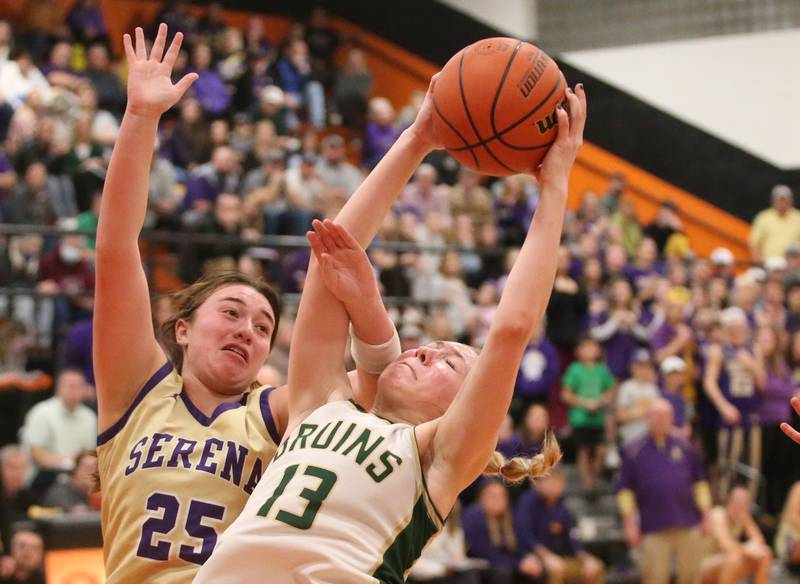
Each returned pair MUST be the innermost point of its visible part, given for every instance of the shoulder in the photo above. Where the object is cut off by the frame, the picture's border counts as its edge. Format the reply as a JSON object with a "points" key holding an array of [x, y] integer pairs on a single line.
{"points": [[43, 408]]}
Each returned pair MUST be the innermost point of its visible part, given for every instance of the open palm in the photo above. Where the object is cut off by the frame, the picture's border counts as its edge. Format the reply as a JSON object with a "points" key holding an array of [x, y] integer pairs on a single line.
{"points": [[346, 270], [150, 88]]}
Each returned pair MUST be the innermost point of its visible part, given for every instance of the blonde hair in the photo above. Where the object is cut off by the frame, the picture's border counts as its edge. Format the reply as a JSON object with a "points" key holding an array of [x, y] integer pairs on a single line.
{"points": [[519, 468]]}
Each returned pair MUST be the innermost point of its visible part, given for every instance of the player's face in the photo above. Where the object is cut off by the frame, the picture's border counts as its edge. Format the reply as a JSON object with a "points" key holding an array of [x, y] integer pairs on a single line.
{"points": [[228, 338], [427, 378]]}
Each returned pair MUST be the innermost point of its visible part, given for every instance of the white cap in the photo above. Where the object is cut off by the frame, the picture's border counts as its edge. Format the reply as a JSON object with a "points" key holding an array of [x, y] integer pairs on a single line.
{"points": [[753, 275], [733, 315], [722, 256], [775, 263], [781, 191], [672, 364], [273, 94]]}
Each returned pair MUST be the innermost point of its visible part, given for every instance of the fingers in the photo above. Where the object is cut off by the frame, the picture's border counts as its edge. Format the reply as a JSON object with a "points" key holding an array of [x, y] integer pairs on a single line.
{"points": [[579, 113], [563, 125], [346, 237], [795, 401], [141, 52], [324, 233], [790, 432], [128, 44], [317, 247], [575, 111], [186, 82], [158, 46], [173, 50], [432, 84]]}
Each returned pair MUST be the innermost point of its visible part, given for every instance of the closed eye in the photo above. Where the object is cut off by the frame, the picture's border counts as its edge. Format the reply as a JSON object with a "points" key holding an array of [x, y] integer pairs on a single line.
{"points": [[451, 364]]}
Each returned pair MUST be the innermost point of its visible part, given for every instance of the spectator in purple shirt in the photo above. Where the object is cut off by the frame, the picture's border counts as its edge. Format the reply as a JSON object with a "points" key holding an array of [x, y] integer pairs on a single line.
{"points": [[618, 328], [645, 266], [774, 409], [545, 527], [674, 337], [538, 372], [86, 22], [78, 350], [423, 195], [207, 181], [381, 131], [662, 481], [673, 383], [489, 532], [209, 89]]}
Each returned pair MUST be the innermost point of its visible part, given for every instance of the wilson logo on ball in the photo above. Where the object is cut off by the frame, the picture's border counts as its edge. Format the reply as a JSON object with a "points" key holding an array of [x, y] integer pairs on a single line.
{"points": [[548, 123]]}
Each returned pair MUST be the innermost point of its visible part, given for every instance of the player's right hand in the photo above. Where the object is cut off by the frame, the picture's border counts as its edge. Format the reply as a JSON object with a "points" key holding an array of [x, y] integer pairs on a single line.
{"points": [[150, 88]]}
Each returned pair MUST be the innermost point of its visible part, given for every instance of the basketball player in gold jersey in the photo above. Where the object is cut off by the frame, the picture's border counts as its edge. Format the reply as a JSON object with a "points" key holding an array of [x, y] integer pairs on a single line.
{"points": [[185, 437]]}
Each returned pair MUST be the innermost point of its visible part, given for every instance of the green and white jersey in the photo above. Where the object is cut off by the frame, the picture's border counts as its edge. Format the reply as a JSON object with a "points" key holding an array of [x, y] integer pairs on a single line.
{"points": [[342, 502]]}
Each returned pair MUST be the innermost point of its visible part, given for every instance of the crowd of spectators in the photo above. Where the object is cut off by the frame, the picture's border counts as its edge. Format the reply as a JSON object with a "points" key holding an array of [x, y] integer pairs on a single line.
{"points": [[651, 360]]}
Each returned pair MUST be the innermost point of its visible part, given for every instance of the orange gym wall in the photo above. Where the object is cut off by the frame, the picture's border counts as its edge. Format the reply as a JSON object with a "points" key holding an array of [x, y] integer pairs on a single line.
{"points": [[398, 74]]}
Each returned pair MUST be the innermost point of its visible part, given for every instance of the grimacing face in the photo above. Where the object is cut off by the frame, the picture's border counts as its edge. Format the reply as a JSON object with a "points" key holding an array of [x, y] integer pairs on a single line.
{"points": [[228, 338], [425, 380]]}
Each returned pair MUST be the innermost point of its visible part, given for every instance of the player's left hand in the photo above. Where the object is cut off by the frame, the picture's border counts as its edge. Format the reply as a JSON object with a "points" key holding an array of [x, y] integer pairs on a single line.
{"points": [[346, 269], [557, 164], [787, 429]]}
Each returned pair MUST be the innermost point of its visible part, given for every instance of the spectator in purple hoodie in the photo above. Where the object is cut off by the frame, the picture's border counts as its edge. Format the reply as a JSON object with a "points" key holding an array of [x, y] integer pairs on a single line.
{"points": [[546, 526], [538, 372], [489, 532], [618, 328]]}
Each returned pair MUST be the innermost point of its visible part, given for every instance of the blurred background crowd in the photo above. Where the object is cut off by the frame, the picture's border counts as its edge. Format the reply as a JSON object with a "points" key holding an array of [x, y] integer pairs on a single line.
{"points": [[665, 375]]}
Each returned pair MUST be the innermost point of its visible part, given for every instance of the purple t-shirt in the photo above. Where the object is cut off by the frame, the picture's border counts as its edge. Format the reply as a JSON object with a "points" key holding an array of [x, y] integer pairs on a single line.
{"points": [[377, 141], [662, 479], [775, 407], [619, 347], [538, 371], [678, 406]]}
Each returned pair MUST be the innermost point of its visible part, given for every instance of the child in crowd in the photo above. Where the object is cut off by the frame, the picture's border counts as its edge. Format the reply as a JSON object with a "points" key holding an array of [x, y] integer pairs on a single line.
{"points": [[587, 390], [634, 398]]}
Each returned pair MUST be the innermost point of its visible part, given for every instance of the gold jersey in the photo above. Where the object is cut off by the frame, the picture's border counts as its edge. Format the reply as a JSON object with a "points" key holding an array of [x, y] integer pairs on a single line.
{"points": [[173, 479]]}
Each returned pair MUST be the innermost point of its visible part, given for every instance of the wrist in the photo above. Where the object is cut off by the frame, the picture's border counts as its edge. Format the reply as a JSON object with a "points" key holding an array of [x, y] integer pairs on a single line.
{"points": [[420, 143], [142, 114]]}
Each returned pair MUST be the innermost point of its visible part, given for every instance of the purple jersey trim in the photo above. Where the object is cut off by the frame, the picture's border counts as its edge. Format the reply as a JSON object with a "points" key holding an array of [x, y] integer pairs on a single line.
{"points": [[157, 377], [220, 409], [266, 413]]}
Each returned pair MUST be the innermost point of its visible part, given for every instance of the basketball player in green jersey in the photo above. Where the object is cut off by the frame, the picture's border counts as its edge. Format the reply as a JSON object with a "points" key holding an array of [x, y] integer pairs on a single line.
{"points": [[353, 496]]}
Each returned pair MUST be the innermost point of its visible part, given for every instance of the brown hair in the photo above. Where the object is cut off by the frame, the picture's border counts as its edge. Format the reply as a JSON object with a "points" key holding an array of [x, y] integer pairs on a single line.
{"points": [[518, 468], [188, 300]]}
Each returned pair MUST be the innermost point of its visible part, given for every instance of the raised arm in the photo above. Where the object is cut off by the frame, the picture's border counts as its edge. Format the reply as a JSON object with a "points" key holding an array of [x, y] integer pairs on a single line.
{"points": [[125, 350], [320, 331], [465, 437]]}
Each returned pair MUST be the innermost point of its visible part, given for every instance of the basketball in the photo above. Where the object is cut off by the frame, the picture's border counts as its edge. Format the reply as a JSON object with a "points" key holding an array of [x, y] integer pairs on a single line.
{"points": [[495, 104]]}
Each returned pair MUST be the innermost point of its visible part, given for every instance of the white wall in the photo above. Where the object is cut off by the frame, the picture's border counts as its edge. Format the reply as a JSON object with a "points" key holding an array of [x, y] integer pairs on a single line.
{"points": [[516, 18], [745, 89]]}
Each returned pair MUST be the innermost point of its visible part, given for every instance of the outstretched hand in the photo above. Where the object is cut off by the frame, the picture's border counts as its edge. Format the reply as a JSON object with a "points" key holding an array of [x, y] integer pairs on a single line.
{"points": [[787, 429], [150, 88], [346, 269], [557, 164]]}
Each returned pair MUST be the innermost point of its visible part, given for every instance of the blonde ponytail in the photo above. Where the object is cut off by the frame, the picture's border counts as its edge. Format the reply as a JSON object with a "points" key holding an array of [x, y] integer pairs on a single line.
{"points": [[519, 468]]}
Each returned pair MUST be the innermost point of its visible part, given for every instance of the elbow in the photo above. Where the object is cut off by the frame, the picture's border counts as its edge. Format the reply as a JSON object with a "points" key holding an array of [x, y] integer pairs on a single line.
{"points": [[515, 330]]}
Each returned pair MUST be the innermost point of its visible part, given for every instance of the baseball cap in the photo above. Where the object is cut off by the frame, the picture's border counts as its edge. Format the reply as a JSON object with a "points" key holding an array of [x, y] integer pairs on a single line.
{"points": [[273, 94], [722, 256], [672, 365], [733, 315], [641, 356], [781, 191], [773, 263]]}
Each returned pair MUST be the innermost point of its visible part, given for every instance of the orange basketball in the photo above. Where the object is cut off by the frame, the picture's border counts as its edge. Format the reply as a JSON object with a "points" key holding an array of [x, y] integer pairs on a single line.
{"points": [[495, 103]]}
